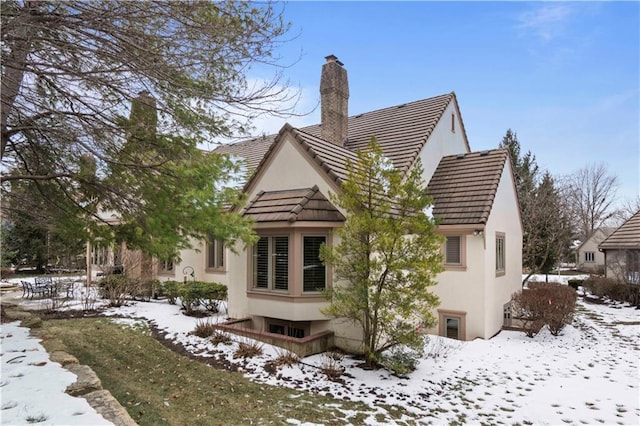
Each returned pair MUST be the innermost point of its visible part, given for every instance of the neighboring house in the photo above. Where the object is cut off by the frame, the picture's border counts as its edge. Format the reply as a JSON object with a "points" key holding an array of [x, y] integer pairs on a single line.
{"points": [[275, 286], [622, 252], [588, 257]]}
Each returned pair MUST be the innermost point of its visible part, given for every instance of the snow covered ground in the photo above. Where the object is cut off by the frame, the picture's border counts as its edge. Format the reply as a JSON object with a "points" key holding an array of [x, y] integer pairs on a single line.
{"points": [[588, 375]]}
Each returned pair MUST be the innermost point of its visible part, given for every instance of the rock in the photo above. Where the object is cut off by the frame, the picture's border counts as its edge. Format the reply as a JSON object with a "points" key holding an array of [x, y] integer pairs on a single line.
{"points": [[87, 380], [109, 407], [63, 358]]}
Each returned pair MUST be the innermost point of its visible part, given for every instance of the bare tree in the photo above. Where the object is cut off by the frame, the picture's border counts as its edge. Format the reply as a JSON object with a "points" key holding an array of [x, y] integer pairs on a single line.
{"points": [[590, 194], [628, 208], [70, 70]]}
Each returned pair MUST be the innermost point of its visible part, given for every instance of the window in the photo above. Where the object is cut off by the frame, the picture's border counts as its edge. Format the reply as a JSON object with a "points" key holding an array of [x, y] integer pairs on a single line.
{"points": [[452, 324], [271, 263], [297, 329], [99, 256], [500, 255], [452, 251], [215, 254], [589, 256], [166, 266], [314, 275]]}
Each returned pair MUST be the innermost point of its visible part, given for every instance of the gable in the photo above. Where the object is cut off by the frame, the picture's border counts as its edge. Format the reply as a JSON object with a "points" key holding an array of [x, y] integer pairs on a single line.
{"points": [[289, 164], [401, 131]]}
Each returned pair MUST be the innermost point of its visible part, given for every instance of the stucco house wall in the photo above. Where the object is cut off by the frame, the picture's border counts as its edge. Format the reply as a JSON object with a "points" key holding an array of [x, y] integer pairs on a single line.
{"points": [[584, 262], [503, 220]]}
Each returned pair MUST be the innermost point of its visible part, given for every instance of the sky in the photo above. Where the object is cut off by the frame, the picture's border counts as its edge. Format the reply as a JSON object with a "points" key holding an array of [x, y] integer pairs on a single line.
{"points": [[586, 375], [563, 75]]}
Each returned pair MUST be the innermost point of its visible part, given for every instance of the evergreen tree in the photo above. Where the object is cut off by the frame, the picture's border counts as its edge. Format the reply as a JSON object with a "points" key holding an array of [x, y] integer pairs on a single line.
{"points": [[69, 72], [546, 229], [386, 257]]}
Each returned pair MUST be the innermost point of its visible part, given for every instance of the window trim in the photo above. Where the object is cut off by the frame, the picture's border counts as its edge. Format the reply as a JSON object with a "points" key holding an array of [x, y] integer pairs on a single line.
{"points": [[500, 236], [462, 266], [461, 316], [296, 291], [217, 245]]}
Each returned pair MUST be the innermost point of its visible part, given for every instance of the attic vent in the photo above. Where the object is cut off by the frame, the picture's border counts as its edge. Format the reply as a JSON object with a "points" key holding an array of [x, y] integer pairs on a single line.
{"points": [[459, 156], [483, 153], [402, 106], [358, 116]]}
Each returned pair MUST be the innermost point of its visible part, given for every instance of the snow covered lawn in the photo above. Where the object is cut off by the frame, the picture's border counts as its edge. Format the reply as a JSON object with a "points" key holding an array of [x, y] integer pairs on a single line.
{"points": [[587, 375]]}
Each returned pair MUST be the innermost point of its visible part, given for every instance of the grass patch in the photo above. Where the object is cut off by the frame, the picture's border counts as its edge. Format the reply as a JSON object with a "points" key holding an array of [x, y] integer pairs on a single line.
{"points": [[160, 387]]}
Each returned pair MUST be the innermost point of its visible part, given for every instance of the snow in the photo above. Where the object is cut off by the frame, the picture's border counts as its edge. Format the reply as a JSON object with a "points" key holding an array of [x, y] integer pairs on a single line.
{"points": [[32, 387], [589, 374]]}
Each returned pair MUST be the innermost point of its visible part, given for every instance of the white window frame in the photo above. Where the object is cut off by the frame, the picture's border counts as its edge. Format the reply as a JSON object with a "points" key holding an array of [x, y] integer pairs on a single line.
{"points": [[272, 259]]}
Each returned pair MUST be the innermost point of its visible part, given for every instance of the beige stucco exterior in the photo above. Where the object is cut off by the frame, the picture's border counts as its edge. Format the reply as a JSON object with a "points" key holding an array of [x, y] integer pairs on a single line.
{"points": [[443, 141], [473, 292], [590, 248]]}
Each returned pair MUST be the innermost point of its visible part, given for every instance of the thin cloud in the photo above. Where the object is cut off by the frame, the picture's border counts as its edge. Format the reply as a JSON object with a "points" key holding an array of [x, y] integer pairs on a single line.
{"points": [[546, 21]]}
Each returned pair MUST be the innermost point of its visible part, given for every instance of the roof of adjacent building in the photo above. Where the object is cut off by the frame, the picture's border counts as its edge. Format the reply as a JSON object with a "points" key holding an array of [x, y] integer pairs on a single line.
{"points": [[464, 186], [293, 205], [627, 236]]}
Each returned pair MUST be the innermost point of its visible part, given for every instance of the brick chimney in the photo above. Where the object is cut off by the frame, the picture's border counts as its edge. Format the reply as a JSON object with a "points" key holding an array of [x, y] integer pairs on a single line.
{"points": [[334, 101]]}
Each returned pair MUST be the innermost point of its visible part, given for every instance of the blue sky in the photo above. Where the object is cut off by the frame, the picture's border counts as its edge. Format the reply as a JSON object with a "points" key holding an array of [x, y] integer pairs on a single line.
{"points": [[564, 76]]}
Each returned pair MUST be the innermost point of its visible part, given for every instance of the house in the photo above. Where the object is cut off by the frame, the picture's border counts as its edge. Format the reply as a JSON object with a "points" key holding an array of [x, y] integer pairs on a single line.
{"points": [[622, 252], [588, 257], [274, 285]]}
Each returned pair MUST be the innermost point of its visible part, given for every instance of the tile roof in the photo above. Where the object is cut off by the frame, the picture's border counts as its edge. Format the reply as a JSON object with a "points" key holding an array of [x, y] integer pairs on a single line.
{"points": [[401, 131], [627, 236], [293, 205], [464, 186]]}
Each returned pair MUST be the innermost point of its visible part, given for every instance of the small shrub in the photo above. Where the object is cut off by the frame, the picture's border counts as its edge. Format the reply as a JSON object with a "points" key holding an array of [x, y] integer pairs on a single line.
{"points": [[574, 283], [199, 293], [400, 361], [331, 367], [248, 349], [204, 328], [116, 288], [552, 304], [53, 304], [220, 337], [144, 289], [607, 288], [285, 357], [170, 289]]}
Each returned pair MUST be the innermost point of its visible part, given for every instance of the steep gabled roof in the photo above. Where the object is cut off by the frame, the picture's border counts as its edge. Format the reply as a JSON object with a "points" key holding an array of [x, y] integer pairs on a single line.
{"points": [[627, 236], [401, 131], [464, 186], [293, 205]]}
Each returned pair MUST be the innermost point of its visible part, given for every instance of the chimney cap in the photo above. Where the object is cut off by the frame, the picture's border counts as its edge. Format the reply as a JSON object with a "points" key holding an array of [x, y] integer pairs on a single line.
{"points": [[333, 58]]}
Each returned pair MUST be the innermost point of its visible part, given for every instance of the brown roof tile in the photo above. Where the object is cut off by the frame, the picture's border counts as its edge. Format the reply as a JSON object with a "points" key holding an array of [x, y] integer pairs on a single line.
{"points": [[627, 236], [293, 205], [401, 131], [463, 187]]}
